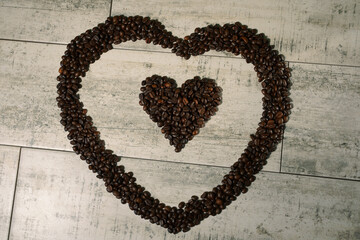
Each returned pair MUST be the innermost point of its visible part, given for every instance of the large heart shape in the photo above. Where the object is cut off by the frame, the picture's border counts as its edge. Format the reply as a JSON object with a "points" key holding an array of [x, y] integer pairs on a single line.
{"points": [[273, 74], [181, 112]]}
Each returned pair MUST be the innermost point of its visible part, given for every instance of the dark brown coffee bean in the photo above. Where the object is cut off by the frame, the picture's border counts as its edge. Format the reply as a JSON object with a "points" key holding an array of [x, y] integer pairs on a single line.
{"points": [[180, 112], [219, 201]]}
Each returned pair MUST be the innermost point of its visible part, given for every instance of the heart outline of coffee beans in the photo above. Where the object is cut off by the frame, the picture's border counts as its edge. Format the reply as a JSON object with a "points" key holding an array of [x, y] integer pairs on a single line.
{"points": [[180, 112], [273, 75]]}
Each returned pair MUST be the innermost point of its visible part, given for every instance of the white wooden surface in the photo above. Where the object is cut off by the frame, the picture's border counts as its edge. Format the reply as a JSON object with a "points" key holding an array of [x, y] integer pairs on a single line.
{"points": [[9, 157], [322, 31], [323, 136], [315, 31], [58, 198], [50, 21]]}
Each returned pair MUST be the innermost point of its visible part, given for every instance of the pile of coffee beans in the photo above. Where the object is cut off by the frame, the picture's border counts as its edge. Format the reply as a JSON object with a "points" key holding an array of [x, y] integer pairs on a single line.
{"points": [[180, 112], [272, 72]]}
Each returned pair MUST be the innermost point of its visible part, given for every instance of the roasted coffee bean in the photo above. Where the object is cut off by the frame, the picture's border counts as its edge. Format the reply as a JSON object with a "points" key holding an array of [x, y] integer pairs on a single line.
{"points": [[178, 121], [180, 112]]}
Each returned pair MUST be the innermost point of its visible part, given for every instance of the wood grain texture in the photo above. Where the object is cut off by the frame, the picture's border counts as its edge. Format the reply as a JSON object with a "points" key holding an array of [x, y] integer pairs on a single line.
{"points": [[322, 136], [309, 31], [110, 93], [50, 21], [58, 198], [314, 31], [9, 157]]}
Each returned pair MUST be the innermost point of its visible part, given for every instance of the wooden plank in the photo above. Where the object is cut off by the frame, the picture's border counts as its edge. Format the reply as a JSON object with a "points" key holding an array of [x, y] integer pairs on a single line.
{"points": [[110, 93], [324, 31], [58, 198], [9, 157], [322, 137], [50, 21], [307, 31]]}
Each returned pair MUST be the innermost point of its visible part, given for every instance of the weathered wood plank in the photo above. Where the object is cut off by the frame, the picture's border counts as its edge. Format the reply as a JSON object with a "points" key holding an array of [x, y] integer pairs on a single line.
{"points": [[308, 31], [322, 137], [9, 157], [58, 198], [110, 93], [50, 21]]}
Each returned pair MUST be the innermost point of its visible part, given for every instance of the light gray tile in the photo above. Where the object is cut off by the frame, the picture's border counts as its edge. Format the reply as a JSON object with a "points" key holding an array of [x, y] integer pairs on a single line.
{"points": [[322, 137], [110, 93], [30, 116], [50, 21], [70, 5], [315, 31], [9, 157], [324, 31], [58, 198]]}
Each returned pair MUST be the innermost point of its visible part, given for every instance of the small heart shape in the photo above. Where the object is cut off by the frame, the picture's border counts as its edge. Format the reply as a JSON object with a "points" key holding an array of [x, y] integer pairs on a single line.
{"points": [[180, 112]]}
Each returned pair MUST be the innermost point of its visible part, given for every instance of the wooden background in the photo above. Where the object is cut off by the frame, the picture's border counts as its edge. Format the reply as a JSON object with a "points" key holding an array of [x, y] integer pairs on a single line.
{"points": [[310, 188]]}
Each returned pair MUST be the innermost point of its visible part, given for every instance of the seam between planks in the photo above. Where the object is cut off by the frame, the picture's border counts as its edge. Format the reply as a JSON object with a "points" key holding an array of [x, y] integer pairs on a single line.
{"points": [[14, 194], [325, 64], [314, 176], [31, 41], [185, 163], [117, 48], [111, 3], [154, 51], [129, 157], [281, 151]]}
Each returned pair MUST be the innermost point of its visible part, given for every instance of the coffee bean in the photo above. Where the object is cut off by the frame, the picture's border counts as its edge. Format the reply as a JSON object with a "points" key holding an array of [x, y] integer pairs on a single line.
{"points": [[180, 123], [180, 112]]}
